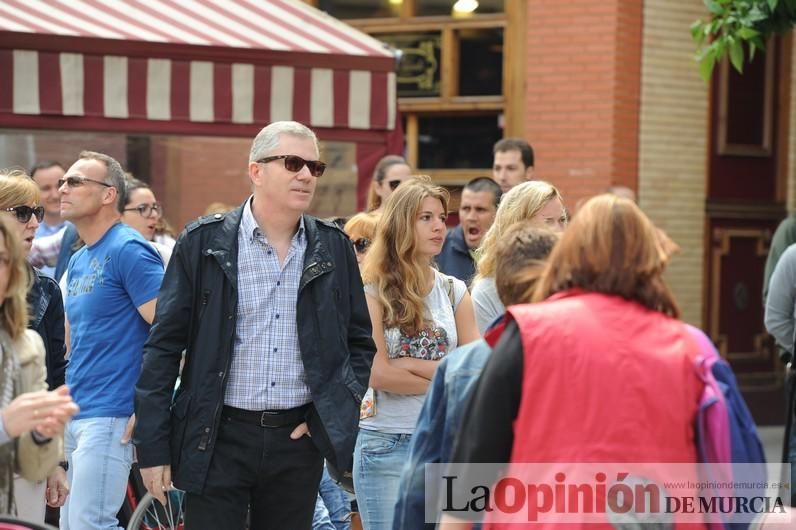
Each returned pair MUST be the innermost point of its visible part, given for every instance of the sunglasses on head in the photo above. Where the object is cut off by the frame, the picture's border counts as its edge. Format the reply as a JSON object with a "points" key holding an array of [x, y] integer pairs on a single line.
{"points": [[361, 244], [394, 184], [24, 213], [295, 163]]}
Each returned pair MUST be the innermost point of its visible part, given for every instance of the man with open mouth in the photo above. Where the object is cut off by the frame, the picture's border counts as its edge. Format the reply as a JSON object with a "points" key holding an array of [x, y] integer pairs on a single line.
{"points": [[477, 208]]}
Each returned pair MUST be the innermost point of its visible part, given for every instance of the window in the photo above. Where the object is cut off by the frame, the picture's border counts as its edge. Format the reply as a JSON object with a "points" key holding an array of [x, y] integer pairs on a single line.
{"points": [[461, 79]]}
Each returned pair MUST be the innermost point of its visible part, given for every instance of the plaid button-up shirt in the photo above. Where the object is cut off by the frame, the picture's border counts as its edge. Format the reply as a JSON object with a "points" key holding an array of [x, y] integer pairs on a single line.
{"points": [[267, 372]]}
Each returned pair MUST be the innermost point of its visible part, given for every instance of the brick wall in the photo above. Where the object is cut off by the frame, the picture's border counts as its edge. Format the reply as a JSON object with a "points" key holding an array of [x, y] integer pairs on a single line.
{"points": [[672, 147], [583, 88]]}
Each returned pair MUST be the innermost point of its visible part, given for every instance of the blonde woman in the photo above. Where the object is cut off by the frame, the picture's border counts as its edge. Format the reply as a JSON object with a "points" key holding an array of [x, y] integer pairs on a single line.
{"points": [[27, 410], [538, 201], [361, 229], [418, 316]]}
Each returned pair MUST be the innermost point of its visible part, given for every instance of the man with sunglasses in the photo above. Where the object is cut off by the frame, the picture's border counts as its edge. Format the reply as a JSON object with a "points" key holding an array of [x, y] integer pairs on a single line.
{"points": [[111, 289], [268, 304]]}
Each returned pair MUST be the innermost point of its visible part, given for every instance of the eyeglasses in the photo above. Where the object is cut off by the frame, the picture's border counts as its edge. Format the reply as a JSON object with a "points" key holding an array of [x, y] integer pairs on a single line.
{"points": [[295, 163], [24, 213], [361, 244], [146, 209], [76, 182], [394, 184]]}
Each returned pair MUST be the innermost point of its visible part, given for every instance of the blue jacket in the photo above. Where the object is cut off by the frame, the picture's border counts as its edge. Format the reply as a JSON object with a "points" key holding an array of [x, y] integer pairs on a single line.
{"points": [[455, 259], [436, 429]]}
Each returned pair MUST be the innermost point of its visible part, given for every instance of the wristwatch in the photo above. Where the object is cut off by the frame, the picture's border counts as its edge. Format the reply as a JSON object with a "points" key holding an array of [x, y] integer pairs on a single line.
{"points": [[64, 464]]}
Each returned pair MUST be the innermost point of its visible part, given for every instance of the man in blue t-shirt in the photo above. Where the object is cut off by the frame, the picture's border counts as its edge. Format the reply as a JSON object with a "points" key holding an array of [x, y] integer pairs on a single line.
{"points": [[112, 286]]}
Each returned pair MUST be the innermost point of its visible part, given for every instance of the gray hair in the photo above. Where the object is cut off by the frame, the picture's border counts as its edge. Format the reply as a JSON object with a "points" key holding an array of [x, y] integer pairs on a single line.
{"points": [[114, 174], [268, 138]]}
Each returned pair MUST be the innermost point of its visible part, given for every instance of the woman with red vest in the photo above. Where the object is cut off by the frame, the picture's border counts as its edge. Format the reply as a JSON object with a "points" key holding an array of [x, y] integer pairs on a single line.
{"points": [[600, 370]]}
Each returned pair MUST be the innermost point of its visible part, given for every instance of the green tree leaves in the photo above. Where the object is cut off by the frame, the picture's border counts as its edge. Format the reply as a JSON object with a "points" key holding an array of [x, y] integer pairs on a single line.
{"points": [[736, 26]]}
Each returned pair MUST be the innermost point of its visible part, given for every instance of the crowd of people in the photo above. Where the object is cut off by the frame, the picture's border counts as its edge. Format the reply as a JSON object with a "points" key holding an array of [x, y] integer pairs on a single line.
{"points": [[265, 355]]}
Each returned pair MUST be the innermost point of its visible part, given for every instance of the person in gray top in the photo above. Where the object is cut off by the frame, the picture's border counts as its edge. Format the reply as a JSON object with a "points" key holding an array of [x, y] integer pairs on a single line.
{"points": [[537, 201], [781, 300]]}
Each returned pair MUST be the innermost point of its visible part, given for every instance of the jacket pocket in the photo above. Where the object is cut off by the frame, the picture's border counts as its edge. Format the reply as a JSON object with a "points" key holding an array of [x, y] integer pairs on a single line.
{"points": [[179, 422]]}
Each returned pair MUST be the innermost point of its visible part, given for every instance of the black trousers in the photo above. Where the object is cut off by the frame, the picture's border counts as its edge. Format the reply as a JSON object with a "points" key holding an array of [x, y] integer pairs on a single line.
{"points": [[260, 471]]}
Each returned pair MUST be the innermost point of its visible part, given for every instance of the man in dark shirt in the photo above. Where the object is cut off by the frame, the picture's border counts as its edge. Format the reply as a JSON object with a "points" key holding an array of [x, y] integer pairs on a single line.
{"points": [[477, 209]]}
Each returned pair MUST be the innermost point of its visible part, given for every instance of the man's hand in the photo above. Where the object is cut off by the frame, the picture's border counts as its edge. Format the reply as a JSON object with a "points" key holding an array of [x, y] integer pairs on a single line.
{"points": [[57, 488], [44, 411], [128, 431], [300, 431], [157, 480]]}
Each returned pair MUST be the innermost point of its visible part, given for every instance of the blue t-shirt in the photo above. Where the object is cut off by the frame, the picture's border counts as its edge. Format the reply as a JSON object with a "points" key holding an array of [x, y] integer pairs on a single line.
{"points": [[106, 283]]}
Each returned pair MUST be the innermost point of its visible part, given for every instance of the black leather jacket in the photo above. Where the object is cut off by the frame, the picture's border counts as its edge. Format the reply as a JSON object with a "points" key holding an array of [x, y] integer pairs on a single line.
{"points": [[196, 311], [46, 317]]}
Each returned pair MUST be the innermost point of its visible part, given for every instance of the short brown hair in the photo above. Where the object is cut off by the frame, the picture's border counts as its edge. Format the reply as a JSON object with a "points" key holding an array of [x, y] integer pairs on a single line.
{"points": [[519, 258], [611, 247]]}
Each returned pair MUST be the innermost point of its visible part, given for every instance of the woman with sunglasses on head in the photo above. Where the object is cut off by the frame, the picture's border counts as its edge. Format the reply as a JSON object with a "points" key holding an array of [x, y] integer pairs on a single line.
{"points": [[390, 172], [140, 210], [361, 229], [19, 201], [418, 316]]}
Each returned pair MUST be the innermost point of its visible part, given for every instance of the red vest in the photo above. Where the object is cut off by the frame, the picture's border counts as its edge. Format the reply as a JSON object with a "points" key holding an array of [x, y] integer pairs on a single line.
{"points": [[605, 380]]}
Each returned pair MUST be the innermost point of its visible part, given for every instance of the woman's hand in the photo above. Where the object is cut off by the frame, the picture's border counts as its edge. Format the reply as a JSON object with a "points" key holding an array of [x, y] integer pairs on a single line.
{"points": [[44, 411]]}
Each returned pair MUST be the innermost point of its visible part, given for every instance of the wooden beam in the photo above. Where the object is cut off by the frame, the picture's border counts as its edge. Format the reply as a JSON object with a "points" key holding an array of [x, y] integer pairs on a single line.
{"points": [[514, 50], [411, 136], [450, 64]]}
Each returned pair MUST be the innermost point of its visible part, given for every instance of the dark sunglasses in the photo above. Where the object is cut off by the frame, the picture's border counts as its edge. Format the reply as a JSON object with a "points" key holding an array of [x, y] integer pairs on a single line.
{"points": [[295, 163], [361, 244], [394, 184], [76, 182], [146, 209], [24, 213]]}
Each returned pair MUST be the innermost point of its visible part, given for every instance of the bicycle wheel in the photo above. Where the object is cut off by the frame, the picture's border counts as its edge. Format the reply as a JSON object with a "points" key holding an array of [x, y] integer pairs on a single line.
{"points": [[151, 515]]}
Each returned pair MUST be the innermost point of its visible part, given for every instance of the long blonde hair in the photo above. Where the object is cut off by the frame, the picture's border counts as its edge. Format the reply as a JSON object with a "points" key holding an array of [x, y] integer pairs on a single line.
{"points": [[15, 191], [394, 266], [520, 203]]}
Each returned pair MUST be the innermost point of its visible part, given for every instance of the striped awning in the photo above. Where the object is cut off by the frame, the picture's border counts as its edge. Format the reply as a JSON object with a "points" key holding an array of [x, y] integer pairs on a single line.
{"points": [[194, 61]]}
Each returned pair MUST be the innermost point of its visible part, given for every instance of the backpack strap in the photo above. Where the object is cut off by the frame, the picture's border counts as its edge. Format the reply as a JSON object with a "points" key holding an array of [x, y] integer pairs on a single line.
{"points": [[451, 294]]}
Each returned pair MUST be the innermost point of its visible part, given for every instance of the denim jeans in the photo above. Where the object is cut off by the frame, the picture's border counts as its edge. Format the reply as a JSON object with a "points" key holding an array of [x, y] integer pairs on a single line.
{"points": [[321, 519], [99, 465], [333, 505], [379, 460]]}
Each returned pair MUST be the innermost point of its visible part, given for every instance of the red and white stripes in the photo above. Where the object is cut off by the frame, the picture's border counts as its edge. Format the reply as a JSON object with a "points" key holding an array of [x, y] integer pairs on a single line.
{"points": [[112, 86], [289, 25]]}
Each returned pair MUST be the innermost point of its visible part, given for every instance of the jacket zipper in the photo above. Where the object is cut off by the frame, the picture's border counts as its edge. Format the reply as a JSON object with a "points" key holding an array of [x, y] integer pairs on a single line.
{"points": [[209, 430]]}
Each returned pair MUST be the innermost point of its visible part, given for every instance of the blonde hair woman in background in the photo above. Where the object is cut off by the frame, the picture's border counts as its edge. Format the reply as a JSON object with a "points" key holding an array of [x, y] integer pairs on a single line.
{"points": [[361, 229], [418, 316], [390, 172], [27, 410], [537, 201]]}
